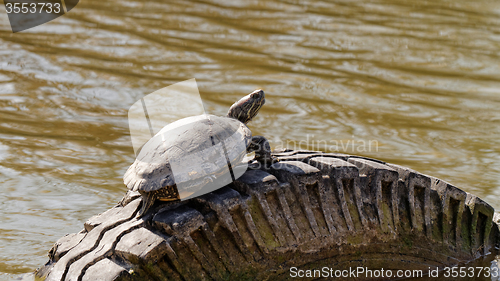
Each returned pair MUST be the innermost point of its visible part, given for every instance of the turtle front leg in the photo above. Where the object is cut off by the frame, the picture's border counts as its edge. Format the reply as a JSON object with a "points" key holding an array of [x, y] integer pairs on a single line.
{"points": [[148, 199], [262, 150]]}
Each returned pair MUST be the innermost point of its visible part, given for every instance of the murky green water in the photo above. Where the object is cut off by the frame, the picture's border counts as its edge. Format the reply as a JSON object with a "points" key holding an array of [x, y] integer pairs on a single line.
{"points": [[418, 80]]}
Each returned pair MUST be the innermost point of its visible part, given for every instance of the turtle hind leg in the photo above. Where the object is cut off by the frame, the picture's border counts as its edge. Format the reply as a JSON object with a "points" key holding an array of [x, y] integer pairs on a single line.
{"points": [[148, 199], [262, 150]]}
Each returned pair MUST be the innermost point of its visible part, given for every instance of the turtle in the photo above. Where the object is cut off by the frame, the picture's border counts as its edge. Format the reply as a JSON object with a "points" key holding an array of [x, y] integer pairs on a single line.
{"points": [[152, 173]]}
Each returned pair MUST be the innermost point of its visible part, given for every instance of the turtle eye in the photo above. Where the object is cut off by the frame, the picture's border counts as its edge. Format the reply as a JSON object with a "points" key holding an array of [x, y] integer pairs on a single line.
{"points": [[256, 94]]}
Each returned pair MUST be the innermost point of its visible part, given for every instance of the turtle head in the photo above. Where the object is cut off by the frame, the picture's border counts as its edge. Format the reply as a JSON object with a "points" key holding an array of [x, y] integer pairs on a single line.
{"points": [[247, 107]]}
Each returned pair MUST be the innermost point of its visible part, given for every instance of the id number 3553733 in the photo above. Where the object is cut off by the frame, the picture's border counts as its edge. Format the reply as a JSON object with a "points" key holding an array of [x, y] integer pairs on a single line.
{"points": [[32, 8]]}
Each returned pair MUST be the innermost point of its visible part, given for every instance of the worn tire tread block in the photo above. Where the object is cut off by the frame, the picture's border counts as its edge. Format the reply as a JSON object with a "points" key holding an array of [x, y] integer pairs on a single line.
{"points": [[308, 210], [106, 269]]}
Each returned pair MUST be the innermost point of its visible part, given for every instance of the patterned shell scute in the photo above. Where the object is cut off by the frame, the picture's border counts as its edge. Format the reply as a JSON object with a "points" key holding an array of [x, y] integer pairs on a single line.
{"points": [[188, 150]]}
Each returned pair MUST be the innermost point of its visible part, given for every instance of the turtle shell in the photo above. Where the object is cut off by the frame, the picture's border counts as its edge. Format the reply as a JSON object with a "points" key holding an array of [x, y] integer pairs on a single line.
{"points": [[190, 153]]}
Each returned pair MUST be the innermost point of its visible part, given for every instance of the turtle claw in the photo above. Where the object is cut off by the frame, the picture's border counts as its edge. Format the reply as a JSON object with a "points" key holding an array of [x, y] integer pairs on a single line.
{"points": [[262, 150], [147, 202]]}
